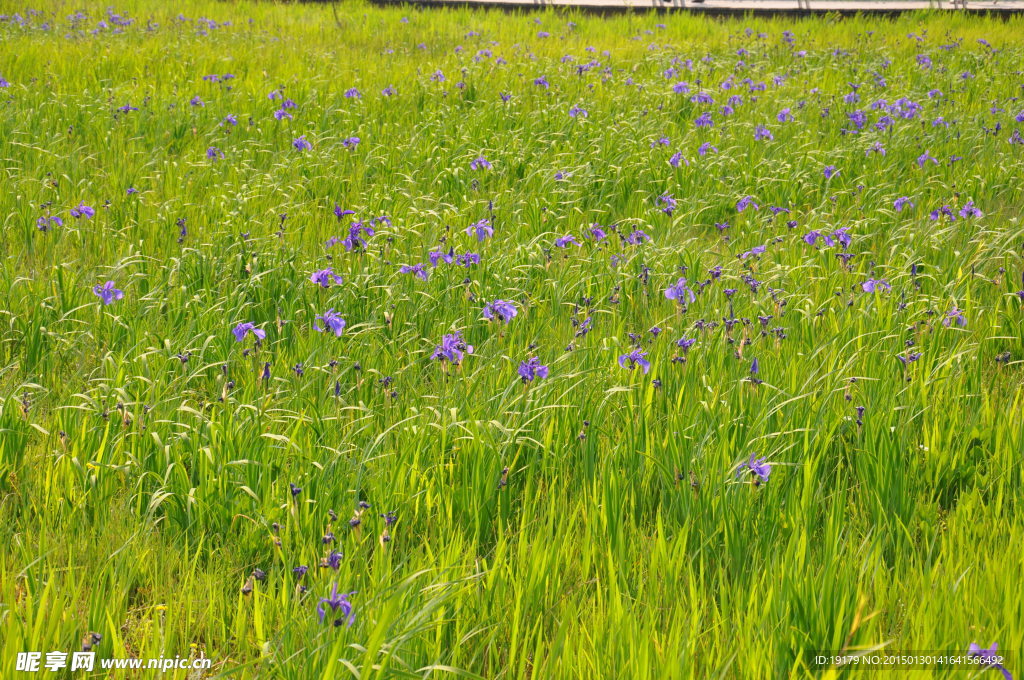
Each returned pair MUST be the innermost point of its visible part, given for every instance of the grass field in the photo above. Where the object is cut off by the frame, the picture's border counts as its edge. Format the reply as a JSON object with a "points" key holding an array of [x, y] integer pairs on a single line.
{"points": [[776, 407]]}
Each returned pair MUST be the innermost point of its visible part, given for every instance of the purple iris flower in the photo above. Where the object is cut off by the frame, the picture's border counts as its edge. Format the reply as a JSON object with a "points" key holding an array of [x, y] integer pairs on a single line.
{"points": [[82, 210], [706, 148], [301, 143], [924, 158], [668, 204], [419, 270], [503, 310], [679, 291], [577, 112], [910, 358], [467, 259], [761, 132], [531, 369], [196, 101], [969, 210], [481, 229], [332, 322], [989, 657], [759, 468], [439, 256], [872, 285], [564, 241], [635, 358], [636, 237], [282, 114], [451, 348], [686, 343], [213, 153], [243, 329], [955, 315], [353, 93], [831, 171], [597, 233], [325, 277], [350, 142], [704, 120], [902, 202], [746, 202], [44, 223], [676, 159], [480, 163], [339, 213], [338, 602], [354, 240], [107, 293]]}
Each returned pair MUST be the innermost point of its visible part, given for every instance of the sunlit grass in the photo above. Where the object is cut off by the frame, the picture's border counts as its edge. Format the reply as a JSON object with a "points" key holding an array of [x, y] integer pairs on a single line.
{"points": [[594, 523]]}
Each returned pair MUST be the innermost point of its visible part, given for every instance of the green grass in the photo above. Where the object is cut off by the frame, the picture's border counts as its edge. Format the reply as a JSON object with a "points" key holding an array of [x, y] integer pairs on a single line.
{"points": [[139, 492]]}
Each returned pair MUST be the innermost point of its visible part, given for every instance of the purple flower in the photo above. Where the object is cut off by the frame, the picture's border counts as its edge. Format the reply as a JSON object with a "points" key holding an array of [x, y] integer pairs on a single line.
{"points": [[531, 369], [597, 233], [636, 237], [213, 153], [955, 315], [902, 202], [282, 114], [503, 310], [338, 602], [480, 163], [541, 82], [353, 93], [910, 357], [196, 101], [872, 285], [451, 348], [990, 657], [107, 293], [576, 112], [350, 142], [676, 158], [481, 229], [635, 358], [564, 241], [231, 119], [243, 329], [325, 277], [332, 323], [831, 171], [44, 223], [679, 291], [706, 148], [761, 132], [969, 210], [439, 256], [746, 202], [301, 143], [420, 270], [704, 120], [759, 468], [686, 343], [668, 204], [82, 210], [924, 158]]}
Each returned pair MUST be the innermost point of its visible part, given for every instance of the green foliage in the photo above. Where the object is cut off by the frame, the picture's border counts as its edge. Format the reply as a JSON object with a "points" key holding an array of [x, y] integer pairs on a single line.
{"points": [[587, 525]]}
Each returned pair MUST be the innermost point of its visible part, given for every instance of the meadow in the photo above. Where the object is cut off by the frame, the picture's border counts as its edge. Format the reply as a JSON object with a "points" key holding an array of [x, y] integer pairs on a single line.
{"points": [[357, 341]]}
